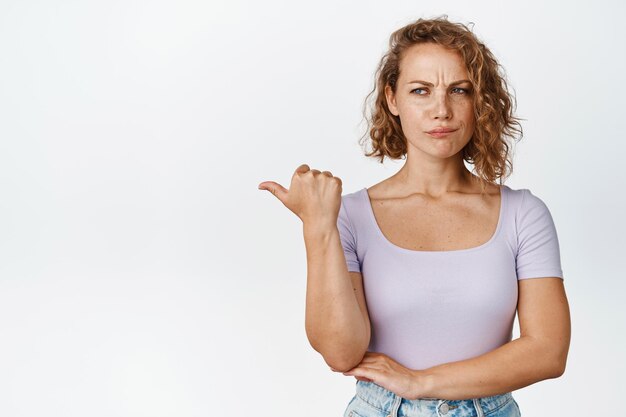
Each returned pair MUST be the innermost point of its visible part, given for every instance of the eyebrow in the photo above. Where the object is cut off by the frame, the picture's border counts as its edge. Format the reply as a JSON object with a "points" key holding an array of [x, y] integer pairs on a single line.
{"points": [[431, 85]]}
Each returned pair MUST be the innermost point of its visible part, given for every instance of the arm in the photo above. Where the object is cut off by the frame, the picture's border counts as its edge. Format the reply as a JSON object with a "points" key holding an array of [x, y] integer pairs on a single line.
{"points": [[539, 353], [336, 319], [336, 324]]}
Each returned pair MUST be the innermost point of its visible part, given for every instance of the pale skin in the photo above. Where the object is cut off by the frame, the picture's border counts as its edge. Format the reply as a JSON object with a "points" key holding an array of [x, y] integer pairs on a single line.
{"points": [[453, 215]]}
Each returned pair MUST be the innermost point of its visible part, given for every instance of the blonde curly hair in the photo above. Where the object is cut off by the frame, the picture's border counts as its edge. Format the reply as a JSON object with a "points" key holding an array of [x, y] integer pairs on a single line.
{"points": [[488, 149]]}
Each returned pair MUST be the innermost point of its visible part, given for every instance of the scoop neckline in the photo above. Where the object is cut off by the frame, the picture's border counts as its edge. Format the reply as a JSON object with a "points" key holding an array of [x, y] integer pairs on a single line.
{"points": [[372, 216]]}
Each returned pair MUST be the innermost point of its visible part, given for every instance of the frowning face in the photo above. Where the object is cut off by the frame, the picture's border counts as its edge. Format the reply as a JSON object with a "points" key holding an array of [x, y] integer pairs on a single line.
{"points": [[433, 91]]}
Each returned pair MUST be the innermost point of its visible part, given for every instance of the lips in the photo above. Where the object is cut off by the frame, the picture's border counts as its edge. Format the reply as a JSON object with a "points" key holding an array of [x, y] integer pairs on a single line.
{"points": [[441, 130]]}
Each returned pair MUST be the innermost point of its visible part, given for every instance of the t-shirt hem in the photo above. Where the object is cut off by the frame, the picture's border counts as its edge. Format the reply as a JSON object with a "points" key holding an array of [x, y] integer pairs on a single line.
{"points": [[541, 274]]}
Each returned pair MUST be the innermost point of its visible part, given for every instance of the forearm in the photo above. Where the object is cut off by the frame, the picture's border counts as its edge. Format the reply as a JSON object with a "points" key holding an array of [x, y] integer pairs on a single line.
{"points": [[335, 325], [517, 364]]}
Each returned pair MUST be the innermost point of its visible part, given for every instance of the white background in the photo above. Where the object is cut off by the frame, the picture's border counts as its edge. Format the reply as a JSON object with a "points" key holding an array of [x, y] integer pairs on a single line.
{"points": [[142, 273]]}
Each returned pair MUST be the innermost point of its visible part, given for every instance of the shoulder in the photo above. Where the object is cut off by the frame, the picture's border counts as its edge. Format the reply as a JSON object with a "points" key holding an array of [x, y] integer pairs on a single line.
{"points": [[524, 200], [530, 212], [383, 190], [351, 204], [352, 196], [350, 201]]}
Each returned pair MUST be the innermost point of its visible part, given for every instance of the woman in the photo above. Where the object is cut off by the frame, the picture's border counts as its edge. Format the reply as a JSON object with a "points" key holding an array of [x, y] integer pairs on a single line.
{"points": [[413, 284]]}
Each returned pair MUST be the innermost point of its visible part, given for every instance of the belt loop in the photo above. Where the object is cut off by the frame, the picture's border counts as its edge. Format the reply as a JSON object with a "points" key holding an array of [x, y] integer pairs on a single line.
{"points": [[479, 409], [395, 406], [445, 407]]}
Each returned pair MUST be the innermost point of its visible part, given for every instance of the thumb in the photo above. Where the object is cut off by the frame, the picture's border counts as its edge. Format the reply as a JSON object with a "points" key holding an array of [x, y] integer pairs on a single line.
{"points": [[278, 190]]}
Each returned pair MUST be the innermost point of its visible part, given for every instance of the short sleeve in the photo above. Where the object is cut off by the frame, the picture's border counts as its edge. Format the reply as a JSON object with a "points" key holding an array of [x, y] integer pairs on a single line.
{"points": [[538, 253], [348, 239]]}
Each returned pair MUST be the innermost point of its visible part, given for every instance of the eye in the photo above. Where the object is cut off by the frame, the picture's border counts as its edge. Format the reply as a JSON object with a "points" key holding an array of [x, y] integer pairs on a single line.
{"points": [[457, 90]]}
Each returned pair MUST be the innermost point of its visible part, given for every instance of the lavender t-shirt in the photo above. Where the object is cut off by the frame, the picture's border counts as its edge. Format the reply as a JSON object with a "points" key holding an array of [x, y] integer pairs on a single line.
{"points": [[431, 307]]}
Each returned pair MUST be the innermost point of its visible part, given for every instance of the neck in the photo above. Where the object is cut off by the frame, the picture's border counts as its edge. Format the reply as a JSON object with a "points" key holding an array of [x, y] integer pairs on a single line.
{"points": [[436, 179]]}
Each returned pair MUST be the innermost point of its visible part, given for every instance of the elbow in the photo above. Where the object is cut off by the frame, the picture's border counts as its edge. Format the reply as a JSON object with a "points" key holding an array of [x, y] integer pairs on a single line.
{"points": [[344, 359], [340, 360], [560, 369], [344, 364], [340, 353], [557, 373], [553, 358], [561, 361], [558, 366]]}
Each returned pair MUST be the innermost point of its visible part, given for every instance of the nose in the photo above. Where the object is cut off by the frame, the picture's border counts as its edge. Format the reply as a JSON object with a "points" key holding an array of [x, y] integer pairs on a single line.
{"points": [[442, 108]]}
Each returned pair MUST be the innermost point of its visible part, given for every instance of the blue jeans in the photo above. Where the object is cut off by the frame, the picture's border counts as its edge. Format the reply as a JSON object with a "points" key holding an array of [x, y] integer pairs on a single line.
{"points": [[372, 400]]}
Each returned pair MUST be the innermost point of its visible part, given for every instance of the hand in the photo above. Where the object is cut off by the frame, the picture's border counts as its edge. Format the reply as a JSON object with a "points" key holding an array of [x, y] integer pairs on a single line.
{"points": [[313, 196], [384, 371]]}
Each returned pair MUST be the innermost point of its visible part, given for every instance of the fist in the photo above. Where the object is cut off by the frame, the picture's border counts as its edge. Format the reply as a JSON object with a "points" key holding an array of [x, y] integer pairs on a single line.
{"points": [[314, 196]]}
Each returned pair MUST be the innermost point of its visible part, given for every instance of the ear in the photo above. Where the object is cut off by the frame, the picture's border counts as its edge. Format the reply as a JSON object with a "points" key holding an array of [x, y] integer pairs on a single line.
{"points": [[391, 100]]}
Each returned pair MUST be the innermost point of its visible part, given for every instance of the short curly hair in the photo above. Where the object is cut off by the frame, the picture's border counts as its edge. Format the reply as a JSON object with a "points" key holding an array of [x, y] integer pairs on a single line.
{"points": [[494, 105]]}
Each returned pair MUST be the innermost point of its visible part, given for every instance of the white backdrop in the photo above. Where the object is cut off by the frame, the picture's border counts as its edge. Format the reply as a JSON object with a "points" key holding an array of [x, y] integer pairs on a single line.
{"points": [[142, 273]]}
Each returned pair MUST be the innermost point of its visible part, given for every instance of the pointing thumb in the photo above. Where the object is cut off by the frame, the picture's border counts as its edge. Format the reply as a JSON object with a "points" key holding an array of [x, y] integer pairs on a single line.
{"points": [[278, 190]]}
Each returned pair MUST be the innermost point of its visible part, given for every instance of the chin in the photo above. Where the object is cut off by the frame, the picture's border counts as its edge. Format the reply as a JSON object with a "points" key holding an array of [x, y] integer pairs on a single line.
{"points": [[435, 148]]}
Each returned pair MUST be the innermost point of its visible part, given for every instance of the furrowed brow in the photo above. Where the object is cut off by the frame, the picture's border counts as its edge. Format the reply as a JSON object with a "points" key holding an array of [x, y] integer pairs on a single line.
{"points": [[431, 85]]}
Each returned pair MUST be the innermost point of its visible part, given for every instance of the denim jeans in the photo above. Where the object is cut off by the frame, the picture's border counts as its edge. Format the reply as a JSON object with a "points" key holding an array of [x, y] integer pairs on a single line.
{"points": [[372, 400]]}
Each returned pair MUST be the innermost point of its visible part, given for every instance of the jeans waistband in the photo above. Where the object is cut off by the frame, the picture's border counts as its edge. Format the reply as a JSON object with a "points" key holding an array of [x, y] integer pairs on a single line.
{"points": [[389, 403]]}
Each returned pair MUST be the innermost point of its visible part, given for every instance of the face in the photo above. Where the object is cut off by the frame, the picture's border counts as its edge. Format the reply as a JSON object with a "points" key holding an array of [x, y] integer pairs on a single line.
{"points": [[429, 95]]}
